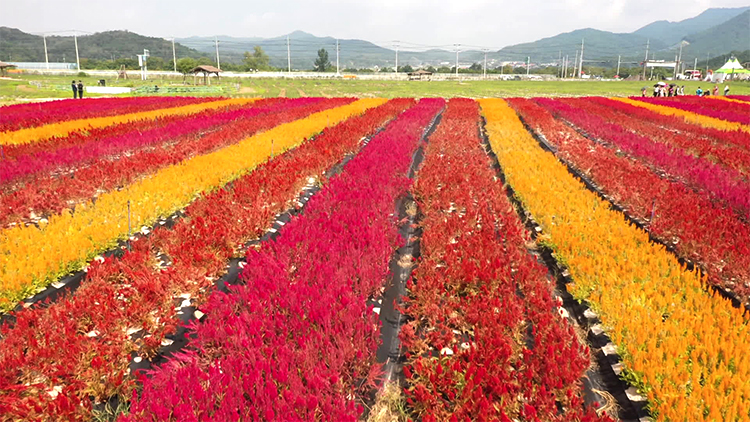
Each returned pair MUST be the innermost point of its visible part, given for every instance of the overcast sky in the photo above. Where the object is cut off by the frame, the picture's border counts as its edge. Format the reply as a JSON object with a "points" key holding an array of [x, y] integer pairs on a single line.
{"points": [[490, 23]]}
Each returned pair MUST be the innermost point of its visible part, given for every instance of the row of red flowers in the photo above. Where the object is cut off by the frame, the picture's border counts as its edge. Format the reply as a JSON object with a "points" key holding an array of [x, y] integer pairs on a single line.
{"points": [[719, 183], [685, 140], [297, 340], [718, 109], [20, 116], [485, 339], [730, 138], [24, 168], [699, 229], [51, 193], [56, 362]]}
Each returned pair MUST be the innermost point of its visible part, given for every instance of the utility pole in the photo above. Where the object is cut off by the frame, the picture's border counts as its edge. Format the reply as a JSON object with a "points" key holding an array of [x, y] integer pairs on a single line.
{"points": [[618, 65], [78, 61], [174, 56], [679, 60], [575, 65], [696, 63], [580, 68], [396, 56], [218, 63], [559, 65], [565, 67], [645, 61], [46, 57], [458, 46], [528, 62], [485, 64], [288, 56], [337, 57]]}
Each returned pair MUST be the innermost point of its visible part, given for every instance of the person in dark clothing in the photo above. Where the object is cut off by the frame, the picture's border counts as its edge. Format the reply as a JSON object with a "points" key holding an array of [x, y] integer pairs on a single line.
{"points": [[80, 89], [75, 89]]}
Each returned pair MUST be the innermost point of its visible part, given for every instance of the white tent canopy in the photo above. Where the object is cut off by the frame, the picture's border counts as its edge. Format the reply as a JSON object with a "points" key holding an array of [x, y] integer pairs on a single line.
{"points": [[732, 69]]}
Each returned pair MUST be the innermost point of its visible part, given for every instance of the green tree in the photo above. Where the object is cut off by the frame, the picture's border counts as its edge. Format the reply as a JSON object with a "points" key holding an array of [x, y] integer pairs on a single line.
{"points": [[406, 69], [185, 65], [322, 63], [431, 69], [476, 68], [258, 60]]}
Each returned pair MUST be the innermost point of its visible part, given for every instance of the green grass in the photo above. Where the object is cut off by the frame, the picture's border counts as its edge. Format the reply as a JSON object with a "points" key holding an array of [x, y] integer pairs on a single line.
{"points": [[57, 87]]}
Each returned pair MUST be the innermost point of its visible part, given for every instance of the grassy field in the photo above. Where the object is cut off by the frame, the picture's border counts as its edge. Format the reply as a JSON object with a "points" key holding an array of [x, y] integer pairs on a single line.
{"points": [[37, 86]]}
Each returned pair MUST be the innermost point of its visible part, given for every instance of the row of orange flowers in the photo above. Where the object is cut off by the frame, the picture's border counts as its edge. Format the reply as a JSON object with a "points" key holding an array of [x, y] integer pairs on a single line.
{"points": [[683, 348], [58, 129], [31, 257]]}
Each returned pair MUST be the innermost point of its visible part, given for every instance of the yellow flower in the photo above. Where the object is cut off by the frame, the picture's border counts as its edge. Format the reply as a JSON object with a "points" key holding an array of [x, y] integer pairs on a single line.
{"points": [[657, 312], [35, 134], [31, 258]]}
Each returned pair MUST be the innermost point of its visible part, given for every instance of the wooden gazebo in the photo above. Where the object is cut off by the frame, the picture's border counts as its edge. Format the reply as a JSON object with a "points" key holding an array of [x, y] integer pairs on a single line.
{"points": [[419, 74], [4, 68], [206, 70]]}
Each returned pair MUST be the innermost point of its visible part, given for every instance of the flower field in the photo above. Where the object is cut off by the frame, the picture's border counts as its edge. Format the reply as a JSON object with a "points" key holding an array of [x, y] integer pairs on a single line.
{"points": [[215, 259]]}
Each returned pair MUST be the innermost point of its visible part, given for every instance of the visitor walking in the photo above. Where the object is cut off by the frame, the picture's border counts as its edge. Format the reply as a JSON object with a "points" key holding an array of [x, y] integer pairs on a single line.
{"points": [[80, 89], [716, 90], [699, 92], [726, 90], [75, 89]]}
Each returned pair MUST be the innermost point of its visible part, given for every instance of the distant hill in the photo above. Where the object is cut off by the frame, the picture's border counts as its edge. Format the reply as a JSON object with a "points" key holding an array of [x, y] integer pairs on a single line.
{"points": [[303, 48], [715, 31], [598, 45], [733, 34], [19, 46], [672, 32]]}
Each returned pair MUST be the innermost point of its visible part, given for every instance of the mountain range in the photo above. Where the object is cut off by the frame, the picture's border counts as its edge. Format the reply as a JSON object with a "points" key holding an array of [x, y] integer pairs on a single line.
{"points": [[714, 33]]}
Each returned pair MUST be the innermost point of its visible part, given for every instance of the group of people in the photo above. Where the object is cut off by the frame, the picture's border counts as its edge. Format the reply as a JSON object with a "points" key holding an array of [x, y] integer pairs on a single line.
{"points": [[77, 89], [666, 91], [663, 90], [701, 93]]}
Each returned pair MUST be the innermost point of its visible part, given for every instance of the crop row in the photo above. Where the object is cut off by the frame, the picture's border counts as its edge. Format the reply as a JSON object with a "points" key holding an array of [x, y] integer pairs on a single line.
{"points": [[683, 348], [92, 135], [59, 129], [82, 345], [708, 107], [32, 257], [485, 339], [23, 168], [688, 139], [721, 183], [46, 194], [698, 229], [736, 138], [687, 116], [297, 340], [20, 116]]}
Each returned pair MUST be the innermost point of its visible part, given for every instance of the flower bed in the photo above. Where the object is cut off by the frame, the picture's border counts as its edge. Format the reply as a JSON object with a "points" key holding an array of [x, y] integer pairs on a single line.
{"points": [[485, 340], [20, 116], [52, 130], [707, 107], [679, 140], [697, 228], [297, 340], [687, 116], [68, 240], [720, 183], [120, 295], [683, 348], [48, 194]]}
